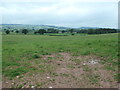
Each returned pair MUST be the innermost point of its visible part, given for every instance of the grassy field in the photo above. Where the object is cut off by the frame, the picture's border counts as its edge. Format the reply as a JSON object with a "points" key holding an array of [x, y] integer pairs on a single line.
{"points": [[43, 56], [0, 60]]}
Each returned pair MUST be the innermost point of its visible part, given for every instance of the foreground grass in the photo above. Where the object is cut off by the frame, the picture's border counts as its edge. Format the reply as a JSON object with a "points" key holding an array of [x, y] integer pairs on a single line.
{"points": [[19, 51], [0, 58]]}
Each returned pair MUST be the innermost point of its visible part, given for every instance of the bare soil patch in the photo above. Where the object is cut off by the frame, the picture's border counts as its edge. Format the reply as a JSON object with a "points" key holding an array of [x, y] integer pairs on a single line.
{"points": [[68, 72]]}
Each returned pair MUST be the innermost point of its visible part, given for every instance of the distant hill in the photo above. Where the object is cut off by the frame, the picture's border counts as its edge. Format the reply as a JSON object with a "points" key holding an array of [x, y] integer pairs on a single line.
{"points": [[88, 28], [36, 27], [28, 26]]}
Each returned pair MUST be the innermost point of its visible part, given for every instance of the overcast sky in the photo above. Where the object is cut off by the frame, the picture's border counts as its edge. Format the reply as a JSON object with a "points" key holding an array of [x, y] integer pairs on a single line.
{"points": [[69, 13]]}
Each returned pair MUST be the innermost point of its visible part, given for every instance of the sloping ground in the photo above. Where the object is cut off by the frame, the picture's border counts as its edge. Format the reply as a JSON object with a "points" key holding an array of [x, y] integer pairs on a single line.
{"points": [[63, 70], [0, 60]]}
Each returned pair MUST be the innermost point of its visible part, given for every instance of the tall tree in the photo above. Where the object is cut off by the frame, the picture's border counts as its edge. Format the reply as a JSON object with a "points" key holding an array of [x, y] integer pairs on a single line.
{"points": [[63, 31], [7, 32], [52, 30], [17, 31], [25, 31], [41, 31], [71, 30]]}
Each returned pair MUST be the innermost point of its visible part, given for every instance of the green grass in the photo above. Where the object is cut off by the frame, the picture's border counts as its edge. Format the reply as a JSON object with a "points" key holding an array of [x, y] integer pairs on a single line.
{"points": [[0, 56], [20, 50], [15, 72]]}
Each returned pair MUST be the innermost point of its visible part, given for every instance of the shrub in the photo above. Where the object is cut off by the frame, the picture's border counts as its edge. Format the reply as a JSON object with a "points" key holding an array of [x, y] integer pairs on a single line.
{"points": [[7, 32], [72, 34], [35, 56], [25, 31]]}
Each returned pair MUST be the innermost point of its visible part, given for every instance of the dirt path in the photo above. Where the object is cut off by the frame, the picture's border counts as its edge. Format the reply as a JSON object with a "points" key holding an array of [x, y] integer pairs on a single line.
{"points": [[69, 72]]}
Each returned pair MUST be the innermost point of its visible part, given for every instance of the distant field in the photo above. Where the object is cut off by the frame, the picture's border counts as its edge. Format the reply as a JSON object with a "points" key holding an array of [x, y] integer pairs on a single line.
{"points": [[60, 61]]}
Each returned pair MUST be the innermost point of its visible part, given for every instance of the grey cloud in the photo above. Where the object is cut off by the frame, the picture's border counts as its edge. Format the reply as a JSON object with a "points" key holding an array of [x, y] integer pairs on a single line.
{"points": [[98, 14]]}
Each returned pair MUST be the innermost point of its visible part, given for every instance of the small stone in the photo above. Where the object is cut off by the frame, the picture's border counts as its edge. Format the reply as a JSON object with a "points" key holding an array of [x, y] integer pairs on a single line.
{"points": [[50, 87], [48, 77], [84, 64], [32, 86], [94, 62], [17, 76], [6, 82], [12, 83]]}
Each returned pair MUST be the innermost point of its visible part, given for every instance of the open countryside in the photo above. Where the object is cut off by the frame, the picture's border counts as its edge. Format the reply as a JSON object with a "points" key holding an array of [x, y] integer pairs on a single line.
{"points": [[54, 58]]}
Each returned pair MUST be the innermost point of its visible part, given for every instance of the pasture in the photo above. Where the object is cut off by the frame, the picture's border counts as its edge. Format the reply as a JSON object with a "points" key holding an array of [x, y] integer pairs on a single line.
{"points": [[43, 61]]}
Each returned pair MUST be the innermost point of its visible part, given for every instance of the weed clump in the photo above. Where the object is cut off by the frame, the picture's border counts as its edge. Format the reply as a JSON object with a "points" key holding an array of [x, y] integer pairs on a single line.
{"points": [[35, 56], [46, 53]]}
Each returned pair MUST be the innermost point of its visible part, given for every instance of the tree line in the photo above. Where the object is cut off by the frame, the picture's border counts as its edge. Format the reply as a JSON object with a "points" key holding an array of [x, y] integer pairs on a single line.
{"points": [[98, 31], [72, 31]]}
